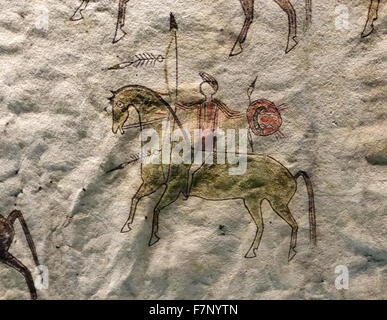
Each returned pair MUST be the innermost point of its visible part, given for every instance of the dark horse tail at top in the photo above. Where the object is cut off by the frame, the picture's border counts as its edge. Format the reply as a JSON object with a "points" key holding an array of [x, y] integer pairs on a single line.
{"points": [[7, 233]]}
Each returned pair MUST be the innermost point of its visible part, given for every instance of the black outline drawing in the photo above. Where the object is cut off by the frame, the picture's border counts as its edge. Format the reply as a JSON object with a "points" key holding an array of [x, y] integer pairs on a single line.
{"points": [[287, 7], [371, 18], [248, 10], [7, 234], [140, 60], [173, 179], [120, 32], [77, 15]]}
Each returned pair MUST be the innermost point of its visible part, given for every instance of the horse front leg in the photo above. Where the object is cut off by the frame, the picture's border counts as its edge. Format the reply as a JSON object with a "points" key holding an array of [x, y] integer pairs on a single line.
{"points": [[120, 33], [78, 12], [372, 16], [143, 191], [248, 9], [170, 195], [292, 20]]}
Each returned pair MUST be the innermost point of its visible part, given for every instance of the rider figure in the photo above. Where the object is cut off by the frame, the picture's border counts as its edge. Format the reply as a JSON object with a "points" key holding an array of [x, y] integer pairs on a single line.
{"points": [[207, 116], [208, 108]]}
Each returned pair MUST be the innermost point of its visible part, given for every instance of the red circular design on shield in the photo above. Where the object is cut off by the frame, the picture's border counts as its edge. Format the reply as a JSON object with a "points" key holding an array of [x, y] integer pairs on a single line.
{"points": [[264, 117]]}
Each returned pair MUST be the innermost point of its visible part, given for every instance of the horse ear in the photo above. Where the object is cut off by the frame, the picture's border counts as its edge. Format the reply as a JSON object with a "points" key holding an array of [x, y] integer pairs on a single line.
{"points": [[108, 109], [113, 95]]}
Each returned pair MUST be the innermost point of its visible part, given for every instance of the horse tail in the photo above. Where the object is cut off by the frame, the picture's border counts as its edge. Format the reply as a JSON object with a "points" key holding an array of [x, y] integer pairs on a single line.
{"points": [[16, 214], [312, 209], [308, 8]]}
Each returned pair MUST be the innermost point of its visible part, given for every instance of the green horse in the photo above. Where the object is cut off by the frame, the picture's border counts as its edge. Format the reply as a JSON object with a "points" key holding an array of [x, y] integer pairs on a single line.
{"points": [[264, 179]]}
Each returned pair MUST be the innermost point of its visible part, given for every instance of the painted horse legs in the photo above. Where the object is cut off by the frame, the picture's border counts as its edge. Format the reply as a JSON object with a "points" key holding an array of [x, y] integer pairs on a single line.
{"points": [[292, 36], [78, 12], [372, 16], [120, 33], [283, 211], [248, 9], [14, 263], [143, 191], [308, 14], [7, 234], [253, 206]]}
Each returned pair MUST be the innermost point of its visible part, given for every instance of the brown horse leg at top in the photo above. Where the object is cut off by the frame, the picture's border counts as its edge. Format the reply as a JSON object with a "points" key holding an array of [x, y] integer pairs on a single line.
{"points": [[78, 12], [248, 8], [7, 233], [372, 17], [292, 18], [120, 32]]}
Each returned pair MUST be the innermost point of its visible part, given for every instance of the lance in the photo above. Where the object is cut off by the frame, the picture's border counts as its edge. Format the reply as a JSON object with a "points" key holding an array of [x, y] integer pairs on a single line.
{"points": [[174, 28]]}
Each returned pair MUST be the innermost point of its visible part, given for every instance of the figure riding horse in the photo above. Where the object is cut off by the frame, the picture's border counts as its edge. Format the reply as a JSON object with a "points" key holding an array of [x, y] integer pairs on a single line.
{"points": [[264, 179]]}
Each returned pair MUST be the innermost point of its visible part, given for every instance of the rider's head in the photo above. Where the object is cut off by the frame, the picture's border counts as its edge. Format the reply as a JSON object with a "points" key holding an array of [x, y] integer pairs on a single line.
{"points": [[209, 86]]}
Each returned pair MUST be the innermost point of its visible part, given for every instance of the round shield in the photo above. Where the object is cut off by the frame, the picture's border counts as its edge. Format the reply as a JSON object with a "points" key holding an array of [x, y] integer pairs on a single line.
{"points": [[264, 117]]}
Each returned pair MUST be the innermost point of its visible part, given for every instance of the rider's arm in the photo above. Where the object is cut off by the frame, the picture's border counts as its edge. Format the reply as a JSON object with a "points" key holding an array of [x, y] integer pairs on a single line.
{"points": [[227, 111]]}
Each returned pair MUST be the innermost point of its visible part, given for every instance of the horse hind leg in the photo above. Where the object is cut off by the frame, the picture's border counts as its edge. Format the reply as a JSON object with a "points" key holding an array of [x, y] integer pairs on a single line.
{"points": [[248, 9], [372, 17], [292, 20], [284, 212], [308, 14], [133, 207], [120, 32], [14, 263], [254, 208], [78, 12]]}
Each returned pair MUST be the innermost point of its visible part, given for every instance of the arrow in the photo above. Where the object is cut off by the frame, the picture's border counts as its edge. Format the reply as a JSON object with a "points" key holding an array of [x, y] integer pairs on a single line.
{"points": [[141, 60]]}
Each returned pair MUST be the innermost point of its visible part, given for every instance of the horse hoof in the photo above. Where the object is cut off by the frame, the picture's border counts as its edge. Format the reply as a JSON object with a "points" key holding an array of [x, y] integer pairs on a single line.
{"points": [[367, 31], [153, 240], [76, 17], [119, 35], [126, 228], [237, 49], [251, 254], [291, 44], [292, 253]]}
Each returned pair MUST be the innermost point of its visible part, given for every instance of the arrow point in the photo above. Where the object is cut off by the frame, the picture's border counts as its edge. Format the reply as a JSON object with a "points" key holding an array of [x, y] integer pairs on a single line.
{"points": [[254, 82], [173, 24]]}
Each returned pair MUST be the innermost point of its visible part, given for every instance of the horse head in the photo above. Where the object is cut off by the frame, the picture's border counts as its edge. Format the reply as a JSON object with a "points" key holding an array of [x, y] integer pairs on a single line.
{"points": [[150, 107], [120, 111]]}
